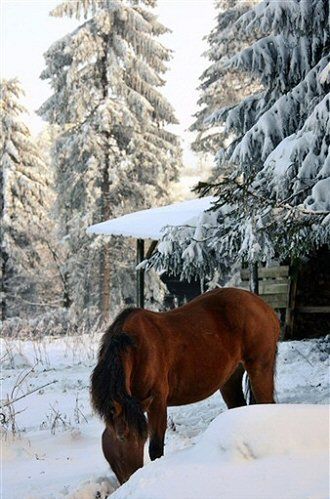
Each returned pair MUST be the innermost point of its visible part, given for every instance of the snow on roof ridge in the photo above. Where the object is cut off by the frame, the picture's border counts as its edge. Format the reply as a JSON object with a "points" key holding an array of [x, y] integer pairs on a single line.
{"points": [[149, 223]]}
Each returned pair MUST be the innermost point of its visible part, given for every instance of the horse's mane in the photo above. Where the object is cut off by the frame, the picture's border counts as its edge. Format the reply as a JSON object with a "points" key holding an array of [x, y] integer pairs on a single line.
{"points": [[108, 378]]}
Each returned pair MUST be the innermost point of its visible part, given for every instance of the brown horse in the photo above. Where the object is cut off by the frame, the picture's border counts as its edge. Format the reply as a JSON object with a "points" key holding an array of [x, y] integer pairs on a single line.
{"points": [[151, 360]]}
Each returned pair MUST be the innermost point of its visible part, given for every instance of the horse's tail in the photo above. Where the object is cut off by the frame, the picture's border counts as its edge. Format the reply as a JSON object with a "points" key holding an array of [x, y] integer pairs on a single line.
{"points": [[108, 383], [247, 389]]}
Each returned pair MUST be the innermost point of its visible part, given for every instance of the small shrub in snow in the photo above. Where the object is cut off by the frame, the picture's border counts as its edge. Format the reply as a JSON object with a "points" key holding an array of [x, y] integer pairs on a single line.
{"points": [[55, 323]]}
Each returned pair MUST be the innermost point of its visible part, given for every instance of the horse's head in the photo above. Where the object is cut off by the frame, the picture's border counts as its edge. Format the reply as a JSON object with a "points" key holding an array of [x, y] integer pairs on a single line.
{"points": [[124, 438], [125, 455]]}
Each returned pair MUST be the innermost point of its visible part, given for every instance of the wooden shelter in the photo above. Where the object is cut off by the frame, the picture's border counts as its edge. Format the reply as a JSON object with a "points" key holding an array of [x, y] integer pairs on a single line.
{"points": [[146, 227], [300, 292]]}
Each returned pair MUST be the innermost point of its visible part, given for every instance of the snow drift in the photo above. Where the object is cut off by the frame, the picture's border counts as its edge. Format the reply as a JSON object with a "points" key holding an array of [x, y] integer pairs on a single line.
{"points": [[258, 451], [57, 453]]}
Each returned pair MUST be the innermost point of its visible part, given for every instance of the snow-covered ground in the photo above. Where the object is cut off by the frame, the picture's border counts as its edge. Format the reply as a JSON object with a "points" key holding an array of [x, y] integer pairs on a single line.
{"points": [[263, 452], [56, 450]]}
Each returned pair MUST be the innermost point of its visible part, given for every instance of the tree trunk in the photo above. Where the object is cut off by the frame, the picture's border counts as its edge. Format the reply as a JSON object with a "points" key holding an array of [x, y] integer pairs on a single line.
{"points": [[105, 281], [65, 275], [105, 266], [67, 302], [3, 290], [4, 254]]}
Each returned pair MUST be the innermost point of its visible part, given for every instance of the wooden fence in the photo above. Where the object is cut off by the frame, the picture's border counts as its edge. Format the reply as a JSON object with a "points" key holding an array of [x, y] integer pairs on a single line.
{"points": [[278, 287]]}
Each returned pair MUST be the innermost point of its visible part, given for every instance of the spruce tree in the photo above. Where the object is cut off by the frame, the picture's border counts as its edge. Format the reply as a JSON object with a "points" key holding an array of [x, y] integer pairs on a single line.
{"points": [[219, 88], [24, 191], [115, 153], [276, 200], [280, 175]]}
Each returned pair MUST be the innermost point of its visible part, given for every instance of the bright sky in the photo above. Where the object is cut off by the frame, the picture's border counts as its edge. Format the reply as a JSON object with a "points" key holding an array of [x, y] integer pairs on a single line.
{"points": [[27, 31]]}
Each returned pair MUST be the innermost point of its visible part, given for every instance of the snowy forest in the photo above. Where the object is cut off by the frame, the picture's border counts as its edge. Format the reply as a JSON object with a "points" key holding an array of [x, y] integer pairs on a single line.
{"points": [[261, 126], [110, 146], [105, 150]]}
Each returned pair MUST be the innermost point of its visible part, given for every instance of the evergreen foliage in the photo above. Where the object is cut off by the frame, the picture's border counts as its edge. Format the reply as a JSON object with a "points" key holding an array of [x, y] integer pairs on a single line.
{"points": [[274, 200], [218, 87], [115, 153], [26, 198]]}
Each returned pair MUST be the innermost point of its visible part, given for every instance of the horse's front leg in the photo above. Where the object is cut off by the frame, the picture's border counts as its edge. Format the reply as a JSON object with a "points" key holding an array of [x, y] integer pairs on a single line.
{"points": [[157, 420]]}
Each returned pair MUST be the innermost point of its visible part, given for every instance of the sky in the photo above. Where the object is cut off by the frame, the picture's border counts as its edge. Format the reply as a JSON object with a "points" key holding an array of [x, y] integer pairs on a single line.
{"points": [[27, 31]]}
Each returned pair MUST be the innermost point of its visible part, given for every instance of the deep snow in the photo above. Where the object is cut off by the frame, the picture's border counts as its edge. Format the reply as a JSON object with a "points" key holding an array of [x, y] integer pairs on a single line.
{"points": [[57, 453], [263, 452]]}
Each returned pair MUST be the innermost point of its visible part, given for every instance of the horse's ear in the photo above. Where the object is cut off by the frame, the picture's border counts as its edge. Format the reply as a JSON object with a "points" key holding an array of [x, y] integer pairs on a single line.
{"points": [[145, 404], [118, 408]]}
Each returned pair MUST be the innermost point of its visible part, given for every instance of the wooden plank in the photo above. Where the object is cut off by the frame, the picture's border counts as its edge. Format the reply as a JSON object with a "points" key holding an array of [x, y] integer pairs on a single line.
{"points": [[276, 301], [277, 280], [314, 310], [244, 285], [281, 271], [267, 272], [268, 288]]}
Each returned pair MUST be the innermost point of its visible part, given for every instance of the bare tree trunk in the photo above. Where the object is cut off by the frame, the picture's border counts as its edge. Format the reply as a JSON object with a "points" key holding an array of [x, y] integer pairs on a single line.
{"points": [[3, 291], [66, 300], [4, 254], [105, 266], [63, 274]]}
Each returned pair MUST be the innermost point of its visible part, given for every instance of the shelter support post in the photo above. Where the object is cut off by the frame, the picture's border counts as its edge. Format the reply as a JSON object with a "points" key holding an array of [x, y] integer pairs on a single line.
{"points": [[140, 273], [254, 278], [292, 293]]}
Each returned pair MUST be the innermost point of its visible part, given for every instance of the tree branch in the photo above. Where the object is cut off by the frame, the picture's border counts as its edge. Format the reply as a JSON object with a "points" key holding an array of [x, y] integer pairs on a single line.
{"points": [[9, 402]]}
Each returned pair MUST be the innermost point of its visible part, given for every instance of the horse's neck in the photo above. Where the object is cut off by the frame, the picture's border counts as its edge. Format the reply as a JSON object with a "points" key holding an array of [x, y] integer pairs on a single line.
{"points": [[128, 364]]}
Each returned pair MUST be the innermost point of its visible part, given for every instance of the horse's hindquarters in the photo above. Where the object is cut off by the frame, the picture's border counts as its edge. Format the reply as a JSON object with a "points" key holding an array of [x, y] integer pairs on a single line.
{"points": [[202, 369]]}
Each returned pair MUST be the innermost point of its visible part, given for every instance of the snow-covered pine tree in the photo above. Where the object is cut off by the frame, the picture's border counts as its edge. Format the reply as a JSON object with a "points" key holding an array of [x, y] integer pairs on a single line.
{"points": [[25, 198], [273, 140], [218, 87], [115, 152], [277, 199]]}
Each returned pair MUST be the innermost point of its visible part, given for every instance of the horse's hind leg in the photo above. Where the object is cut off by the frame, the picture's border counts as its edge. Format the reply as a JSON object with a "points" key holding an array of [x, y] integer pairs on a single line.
{"points": [[261, 374], [157, 422], [232, 390]]}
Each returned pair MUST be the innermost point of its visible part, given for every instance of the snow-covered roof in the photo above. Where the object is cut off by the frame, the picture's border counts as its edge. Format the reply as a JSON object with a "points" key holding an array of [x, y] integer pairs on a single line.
{"points": [[148, 224]]}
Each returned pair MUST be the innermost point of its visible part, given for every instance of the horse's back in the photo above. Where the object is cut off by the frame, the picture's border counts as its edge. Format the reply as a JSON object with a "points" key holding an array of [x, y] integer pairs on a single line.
{"points": [[234, 308], [232, 311]]}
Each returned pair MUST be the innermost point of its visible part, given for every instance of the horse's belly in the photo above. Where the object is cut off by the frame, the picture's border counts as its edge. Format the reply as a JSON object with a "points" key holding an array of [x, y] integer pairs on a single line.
{"points": [[188, 385], [189, 398], [201, 366]]}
